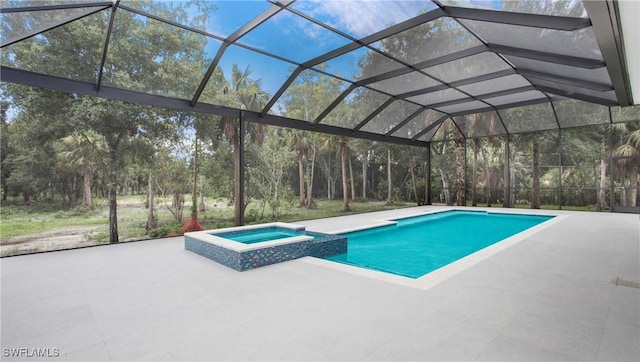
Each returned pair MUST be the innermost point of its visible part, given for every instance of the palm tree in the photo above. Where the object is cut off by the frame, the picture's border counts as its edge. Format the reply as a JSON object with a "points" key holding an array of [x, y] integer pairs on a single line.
{"points": [[630, 151], [302, 144], [247, 94]]}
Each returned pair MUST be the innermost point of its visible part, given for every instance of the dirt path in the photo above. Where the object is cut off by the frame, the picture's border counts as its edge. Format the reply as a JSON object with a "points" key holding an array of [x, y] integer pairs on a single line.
{"points": [[66, 238]]}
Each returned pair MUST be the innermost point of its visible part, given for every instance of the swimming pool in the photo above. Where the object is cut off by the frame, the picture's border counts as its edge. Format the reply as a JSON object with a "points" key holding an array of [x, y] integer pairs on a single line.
{"points": [[418, 245], [261, 235], [253, 246]]}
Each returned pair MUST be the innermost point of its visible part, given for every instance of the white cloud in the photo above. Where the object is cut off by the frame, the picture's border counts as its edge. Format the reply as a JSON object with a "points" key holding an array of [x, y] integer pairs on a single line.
{"points": [[363, 17]]}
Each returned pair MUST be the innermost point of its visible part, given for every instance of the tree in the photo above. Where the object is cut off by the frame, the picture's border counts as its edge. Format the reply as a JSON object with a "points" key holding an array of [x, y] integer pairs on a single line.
{"points": [[343, 152], [247, 94], [175, 183], [115, 121], [269, 174], [477, 144], [5, 147], [302, 143], [459, 147], [629, 150], [535, 194], [329, 149], [87, 151]]}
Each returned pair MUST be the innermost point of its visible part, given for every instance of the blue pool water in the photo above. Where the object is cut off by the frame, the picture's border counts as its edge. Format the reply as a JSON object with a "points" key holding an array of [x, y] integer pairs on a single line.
{"points": [[260, 235], [421, 244]]}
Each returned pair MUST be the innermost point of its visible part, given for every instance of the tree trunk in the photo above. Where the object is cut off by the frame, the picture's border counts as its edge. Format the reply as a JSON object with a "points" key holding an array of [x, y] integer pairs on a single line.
{"points": [[178, 206], [353, 186], [535, 194], [72, 190], [389, 188], [413, 180], [487, 177], [459, 150], [194, 188], [151, 220], [86, 185], [201, 206], [111, 192], [427, 174], [603, 184], [343, 162], [301, 177], [310, 181], [365, 161], [474, 177], [329, 188], [446, 187], [633, 186]]}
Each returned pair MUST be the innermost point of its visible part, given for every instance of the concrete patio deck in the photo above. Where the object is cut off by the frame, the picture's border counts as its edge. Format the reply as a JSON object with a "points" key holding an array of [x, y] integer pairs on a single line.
{"points": [[568, 292]]}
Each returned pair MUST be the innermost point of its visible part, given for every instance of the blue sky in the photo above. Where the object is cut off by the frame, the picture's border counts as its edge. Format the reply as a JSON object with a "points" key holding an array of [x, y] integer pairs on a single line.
{"points": [[295, 38]]}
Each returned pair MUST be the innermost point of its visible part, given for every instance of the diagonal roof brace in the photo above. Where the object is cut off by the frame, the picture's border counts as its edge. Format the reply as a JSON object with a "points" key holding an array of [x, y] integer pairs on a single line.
{"points": [[335, 103], [375, 113], [433, 125], [407, 120], [106, 44], [254, 23], [41, 29]]}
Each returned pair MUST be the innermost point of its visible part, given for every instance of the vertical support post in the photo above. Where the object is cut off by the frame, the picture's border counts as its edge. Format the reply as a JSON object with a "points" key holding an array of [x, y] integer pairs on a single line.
{"points": [[560, 165], [427, 195], [241, 136], [507, 173]]}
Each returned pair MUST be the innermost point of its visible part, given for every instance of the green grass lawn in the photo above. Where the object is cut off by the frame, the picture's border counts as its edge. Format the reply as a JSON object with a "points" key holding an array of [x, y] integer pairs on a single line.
{"points": [[33, 221], [22, 220]]}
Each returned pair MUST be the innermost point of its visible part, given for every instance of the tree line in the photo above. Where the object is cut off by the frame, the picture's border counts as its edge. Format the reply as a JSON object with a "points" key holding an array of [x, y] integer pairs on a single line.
{"points": [[76, 148]]}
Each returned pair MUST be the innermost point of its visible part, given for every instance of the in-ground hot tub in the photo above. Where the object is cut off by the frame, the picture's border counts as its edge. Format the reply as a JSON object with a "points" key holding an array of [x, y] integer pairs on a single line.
{"points": [[253, 246]]}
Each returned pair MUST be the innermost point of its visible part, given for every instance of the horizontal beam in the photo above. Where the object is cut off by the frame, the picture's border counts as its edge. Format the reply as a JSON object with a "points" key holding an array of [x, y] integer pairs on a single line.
{"points": [[17, 76], [547, 57], [522, 19], [580, 96], [601, 87], [54, 7]]}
